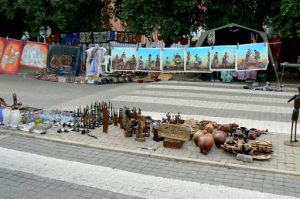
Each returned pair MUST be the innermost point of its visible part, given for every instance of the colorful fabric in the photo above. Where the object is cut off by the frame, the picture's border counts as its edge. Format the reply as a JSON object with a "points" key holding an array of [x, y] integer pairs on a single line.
{"points": [[35, 55], [226, 76], [2, 46], [94, 61], [10, 61]]}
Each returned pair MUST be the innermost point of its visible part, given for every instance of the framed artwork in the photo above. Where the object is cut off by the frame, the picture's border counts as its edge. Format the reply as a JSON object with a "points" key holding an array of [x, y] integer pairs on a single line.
{"points": [[223, 58], [173, 59], [124, 59], [100, 37], [34, 55], [149, 59], [64, 60], [10, 61], [86, 37], [252, 57], [197, 59]]}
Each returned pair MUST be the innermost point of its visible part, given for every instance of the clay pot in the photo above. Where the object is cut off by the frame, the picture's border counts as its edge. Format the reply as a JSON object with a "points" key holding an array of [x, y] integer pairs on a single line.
{"points": [[227, 128], [219, 137], [205, 143], [197, 135], [209, 128], [258, 133]]}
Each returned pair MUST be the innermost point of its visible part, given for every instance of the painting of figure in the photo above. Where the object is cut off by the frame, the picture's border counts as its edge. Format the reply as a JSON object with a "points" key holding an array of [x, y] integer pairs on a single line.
{"points": [[173, 59], [252, 57], [149, 59], [197, 59], [10, 61], [223, 58], [34, 55], [64, 60], [124, 59]]}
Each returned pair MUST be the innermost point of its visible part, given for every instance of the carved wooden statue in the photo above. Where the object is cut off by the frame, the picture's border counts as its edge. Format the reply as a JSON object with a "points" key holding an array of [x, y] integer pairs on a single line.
{"points": [[115, 119], [295, 115], [140, 129], [121, 118], [105, 117]]}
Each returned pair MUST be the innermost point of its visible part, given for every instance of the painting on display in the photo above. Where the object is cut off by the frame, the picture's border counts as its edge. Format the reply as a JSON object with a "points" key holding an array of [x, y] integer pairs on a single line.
{"points": [[10, 61], [64, 60], [34, 55], [124, 59], [197, 59], [252, 57], [2, 46], [173, 59], [223, 58], [70, 38], [86, 37], [149, 59]]}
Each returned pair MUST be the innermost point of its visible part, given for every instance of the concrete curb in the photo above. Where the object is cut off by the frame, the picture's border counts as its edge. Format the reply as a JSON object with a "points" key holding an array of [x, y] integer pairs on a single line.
{"points": [[151, 154]]}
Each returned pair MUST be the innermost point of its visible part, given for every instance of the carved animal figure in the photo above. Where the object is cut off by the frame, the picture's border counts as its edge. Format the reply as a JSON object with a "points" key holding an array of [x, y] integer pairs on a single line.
{"points": [[227, 128], [205, 143], [219, 137]]}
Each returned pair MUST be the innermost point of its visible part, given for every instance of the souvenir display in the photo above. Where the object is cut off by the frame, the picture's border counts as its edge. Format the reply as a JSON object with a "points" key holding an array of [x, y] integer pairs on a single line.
{"points": [[100, 37], [86, 37], [94, 61], [124, 59]]}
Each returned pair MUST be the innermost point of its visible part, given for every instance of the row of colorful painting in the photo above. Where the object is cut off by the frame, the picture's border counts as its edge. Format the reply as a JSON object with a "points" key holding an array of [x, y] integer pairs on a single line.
{"points": [[198, 59], [65, 60]]}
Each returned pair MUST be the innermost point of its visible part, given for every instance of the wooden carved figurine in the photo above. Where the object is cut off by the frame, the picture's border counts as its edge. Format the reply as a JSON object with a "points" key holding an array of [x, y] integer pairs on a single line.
{"points": [[121, 118], [140, 129], [105, 117], [115, 119], [295, 115]]}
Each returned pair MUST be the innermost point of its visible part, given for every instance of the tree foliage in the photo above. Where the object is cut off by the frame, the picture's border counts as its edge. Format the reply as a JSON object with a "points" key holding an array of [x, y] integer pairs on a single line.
{"points": [[287, 22], [172, 19], [60, 15]]}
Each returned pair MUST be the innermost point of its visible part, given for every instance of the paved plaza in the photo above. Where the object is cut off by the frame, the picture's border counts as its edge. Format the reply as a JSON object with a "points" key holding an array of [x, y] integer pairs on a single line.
{"points": [[148, 169]]}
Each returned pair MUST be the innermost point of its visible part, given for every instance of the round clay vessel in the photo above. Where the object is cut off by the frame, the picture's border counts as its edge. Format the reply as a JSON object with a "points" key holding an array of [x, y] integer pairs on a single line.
{"points": [[209, 128], [219, 137], [197, 135], [205, 143]]}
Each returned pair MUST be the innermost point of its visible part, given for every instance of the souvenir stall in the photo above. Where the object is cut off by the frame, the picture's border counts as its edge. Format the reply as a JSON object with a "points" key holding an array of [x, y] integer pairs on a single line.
{"points": [[234, 34]]}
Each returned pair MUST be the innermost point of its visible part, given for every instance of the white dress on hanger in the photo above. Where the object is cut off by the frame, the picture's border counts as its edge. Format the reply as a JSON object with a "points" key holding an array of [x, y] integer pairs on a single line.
{"points": [[94, 60]]}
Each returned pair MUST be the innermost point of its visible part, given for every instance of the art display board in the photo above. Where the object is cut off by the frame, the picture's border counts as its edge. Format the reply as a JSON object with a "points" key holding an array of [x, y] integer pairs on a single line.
{"points": [[124, 59], [34, 55], [173, 59], [223, 58], [197, 59], [10, 61], [149, 59], [64, 60], [252, 57]]}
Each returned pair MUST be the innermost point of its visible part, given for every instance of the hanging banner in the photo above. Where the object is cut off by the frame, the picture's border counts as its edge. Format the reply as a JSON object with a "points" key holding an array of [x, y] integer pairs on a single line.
{"points": [[173, 60], [70, 38], [2, 46], [64, 60], [223, 58], [10, 61], [252, 57], [149, 59], [124, 59], [35, 55], [197, 59]]}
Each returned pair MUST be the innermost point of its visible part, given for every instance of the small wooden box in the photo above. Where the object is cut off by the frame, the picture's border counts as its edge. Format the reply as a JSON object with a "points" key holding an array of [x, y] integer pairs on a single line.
{"points": [[174, 144]]}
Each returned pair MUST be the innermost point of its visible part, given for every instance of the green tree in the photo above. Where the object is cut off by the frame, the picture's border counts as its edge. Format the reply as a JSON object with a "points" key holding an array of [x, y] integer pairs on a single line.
{"points": [[173, 19], [287, 22], [243, 12], [60, 15]]}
